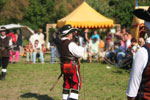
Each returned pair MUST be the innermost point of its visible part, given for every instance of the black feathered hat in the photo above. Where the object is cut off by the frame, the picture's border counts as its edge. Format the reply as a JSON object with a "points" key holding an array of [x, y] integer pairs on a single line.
{"points": [[142, 14], [67, 29]]}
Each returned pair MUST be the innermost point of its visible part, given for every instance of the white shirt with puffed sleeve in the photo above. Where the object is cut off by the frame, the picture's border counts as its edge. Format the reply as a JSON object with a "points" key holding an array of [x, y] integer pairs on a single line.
{"points": [[77, 51], [139, 64]]}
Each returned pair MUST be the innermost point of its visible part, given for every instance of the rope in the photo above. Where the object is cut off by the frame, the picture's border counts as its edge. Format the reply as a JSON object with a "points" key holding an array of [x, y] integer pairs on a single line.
{"points": [[110, 62], [83, 82]]}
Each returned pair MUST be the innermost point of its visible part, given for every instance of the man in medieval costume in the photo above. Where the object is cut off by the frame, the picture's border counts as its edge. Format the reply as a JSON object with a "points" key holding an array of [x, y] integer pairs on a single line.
{"points": [[139, 83], [5, 43], [69, 53]]}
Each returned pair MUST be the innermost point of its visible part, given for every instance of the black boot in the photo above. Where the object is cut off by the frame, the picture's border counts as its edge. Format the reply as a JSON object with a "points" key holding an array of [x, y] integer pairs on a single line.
{"points": [[2, 76]]}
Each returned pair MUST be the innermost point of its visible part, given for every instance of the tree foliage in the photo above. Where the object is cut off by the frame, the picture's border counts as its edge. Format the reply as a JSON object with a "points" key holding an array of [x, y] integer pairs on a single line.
{"points": [[102, 6], [123, 9], [2, 3], [119, 10], [12, 11], [37, 13]]}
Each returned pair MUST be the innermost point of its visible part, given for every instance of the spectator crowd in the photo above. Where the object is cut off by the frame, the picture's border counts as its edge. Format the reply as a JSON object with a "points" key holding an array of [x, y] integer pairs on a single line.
{"points": [[116, 48]]}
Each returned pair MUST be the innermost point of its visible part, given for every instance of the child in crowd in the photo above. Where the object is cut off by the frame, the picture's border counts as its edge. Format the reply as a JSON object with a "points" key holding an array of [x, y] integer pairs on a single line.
{"points": [[134, 46], [29, 51], [37, 49]]}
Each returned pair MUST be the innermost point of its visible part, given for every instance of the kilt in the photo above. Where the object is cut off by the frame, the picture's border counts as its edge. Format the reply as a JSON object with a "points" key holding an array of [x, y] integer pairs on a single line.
{"points": [[72, 81]]}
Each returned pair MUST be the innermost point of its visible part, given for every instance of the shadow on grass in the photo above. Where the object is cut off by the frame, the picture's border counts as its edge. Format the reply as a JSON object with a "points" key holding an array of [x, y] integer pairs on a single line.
{"points": [[117, 71], [37, 96]]}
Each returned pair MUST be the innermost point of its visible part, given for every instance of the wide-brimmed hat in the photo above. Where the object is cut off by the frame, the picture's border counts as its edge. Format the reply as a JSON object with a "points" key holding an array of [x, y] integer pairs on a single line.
{"points": [[142, 14], [2, 29], [67, 29]]}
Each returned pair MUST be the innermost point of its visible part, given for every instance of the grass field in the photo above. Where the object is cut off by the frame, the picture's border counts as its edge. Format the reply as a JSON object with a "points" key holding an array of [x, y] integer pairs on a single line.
{"points": [[32, 82]]}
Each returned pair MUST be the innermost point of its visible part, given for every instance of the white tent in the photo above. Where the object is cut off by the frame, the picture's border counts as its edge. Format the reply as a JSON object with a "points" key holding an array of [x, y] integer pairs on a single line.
{"points": [[25, 30]]}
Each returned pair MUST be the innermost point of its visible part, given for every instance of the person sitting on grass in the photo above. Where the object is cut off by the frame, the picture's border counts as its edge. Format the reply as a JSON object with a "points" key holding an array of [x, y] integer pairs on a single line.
{"points": [[126, 61], [29, 51], [37, 50], [109, 49], [93, 49]]}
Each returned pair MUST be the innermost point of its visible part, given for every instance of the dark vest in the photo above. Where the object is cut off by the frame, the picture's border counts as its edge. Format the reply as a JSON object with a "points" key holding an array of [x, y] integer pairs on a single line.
{"points": [[65, 54], [4, 45], [144, 89]]}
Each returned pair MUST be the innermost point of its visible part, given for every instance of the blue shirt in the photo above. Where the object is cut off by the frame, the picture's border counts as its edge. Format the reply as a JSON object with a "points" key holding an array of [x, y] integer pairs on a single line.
{"points": [[96, 36]]}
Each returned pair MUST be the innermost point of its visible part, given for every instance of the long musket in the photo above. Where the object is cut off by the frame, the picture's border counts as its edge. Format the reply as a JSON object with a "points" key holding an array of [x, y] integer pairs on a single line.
{"points": [[55, 82]]}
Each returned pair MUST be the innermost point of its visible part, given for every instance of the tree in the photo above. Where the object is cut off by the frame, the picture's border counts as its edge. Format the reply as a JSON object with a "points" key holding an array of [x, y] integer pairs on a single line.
{"points": [[65, 7], [2, 3], [61, 9], [12, 11], [122, 12], [123, 9], [102, 6], [39, 13]]}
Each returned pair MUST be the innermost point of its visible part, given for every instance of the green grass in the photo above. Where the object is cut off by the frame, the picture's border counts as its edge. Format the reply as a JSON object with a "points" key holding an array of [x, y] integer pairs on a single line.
{"points": [[32, 82]]}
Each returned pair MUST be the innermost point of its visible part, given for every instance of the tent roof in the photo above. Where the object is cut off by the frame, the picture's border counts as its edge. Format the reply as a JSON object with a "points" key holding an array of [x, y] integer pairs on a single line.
{"points": [[136, 23], [137, 20], [85, 17], [12, 26], [25, 30]]}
